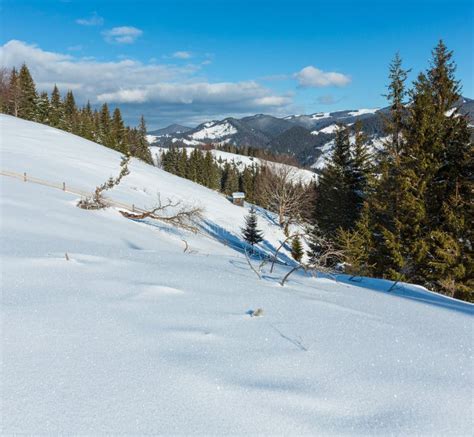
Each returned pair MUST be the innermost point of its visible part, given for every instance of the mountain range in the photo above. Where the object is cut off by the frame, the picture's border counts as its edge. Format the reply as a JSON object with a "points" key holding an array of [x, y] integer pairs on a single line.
{"points": [[306, 137]]}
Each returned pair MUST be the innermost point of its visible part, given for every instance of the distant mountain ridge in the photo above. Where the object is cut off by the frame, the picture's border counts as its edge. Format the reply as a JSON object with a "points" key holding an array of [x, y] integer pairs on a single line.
{"points": [[306, 137]]}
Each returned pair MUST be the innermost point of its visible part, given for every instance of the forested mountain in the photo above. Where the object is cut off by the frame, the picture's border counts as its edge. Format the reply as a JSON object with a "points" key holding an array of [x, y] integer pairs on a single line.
{"points": [[309, 138]]}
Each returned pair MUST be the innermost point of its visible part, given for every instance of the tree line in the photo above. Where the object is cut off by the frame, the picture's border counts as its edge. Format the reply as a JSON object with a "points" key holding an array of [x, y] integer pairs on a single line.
{"points": [[20, 98]]}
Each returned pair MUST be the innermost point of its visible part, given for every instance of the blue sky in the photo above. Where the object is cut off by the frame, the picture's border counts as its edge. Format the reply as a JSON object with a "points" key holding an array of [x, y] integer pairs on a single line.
{"points": [[190, 61]]}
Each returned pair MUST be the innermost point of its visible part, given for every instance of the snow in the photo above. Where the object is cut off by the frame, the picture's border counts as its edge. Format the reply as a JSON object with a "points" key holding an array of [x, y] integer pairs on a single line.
{"points": [[187, 142], [151, 138], [363, 111], [320, 115], [327, 130], [213, 132], [134, 336]]}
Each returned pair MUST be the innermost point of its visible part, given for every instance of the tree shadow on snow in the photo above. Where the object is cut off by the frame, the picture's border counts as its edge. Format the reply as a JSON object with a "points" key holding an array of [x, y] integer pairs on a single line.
{"points": [[408, 291]]}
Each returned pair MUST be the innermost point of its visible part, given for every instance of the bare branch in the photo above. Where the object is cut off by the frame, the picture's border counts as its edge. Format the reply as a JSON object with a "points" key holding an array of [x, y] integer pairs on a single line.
{"points": [[281, 190], [294, 269], [185, 217], [251, 266]]}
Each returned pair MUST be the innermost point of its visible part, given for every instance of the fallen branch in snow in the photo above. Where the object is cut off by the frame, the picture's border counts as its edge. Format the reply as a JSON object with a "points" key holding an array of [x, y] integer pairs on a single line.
{"points": [[294, 269], [97, 201], [186, 246], [251, 266], [184, 217], [257, 271]]}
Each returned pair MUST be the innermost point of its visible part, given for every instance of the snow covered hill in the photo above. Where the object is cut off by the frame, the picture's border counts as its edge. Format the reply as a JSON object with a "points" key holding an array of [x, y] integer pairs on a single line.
{"points": [[133, 335]]}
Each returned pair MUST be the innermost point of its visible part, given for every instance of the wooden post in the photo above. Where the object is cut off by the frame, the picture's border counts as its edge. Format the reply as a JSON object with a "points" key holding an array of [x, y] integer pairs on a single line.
{"points": [[24, 176], [64, 186]]}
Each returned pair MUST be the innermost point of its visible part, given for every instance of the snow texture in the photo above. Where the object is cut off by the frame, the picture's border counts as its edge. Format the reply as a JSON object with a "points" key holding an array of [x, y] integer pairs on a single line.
{"points": [[132, 335], [213, 132]]}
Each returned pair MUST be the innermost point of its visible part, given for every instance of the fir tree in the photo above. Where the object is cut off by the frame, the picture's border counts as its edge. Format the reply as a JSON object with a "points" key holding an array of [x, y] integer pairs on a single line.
{"points": [[117, 132], [104, 136], [43, 108], [397, 94], [13, 93], [55, 110], [211, 172], [27, 95], [334, 206], [297, 251], [69, 113], [182, 163], [250, 232], [142, 149], [230, 179]]}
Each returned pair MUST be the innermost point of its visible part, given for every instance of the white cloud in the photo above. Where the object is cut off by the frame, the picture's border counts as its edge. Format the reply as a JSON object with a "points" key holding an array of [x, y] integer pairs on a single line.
{"points": [[312, 77], [172, 92], [122, 34], [182, 55], [248, 93], [93, 20]]}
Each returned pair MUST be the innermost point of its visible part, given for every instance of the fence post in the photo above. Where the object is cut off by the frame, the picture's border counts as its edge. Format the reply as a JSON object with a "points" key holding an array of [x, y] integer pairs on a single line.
{"points": [[24, 176], [64, 186]]}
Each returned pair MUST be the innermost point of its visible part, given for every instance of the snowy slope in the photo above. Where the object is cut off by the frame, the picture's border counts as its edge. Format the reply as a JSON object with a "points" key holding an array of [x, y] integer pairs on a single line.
{"points": [[134, 336]]}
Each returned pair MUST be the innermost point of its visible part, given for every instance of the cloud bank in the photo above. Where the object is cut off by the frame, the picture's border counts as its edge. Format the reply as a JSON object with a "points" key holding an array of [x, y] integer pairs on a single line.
{"points": [[163, 92]]}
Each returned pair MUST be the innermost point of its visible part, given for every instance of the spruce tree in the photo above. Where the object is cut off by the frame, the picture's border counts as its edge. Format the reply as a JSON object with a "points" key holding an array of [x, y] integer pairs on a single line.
{"points": [[334, 208], [105, 137], [297, 251], [230, 179], [27, 95], [182, 163], [117, 132], [43, 108], [55, 111], [449, 196], [250, 232], [86, 118], [69, 113], [142, 147], [14, 93]]}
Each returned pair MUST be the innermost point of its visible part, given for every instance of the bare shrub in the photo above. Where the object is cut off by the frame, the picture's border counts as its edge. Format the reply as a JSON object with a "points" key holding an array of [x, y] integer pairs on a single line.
{"points": [[281, 191]]}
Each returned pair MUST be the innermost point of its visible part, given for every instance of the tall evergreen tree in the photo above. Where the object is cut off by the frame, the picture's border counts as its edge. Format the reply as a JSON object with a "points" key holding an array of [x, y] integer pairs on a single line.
{"points": [[43, 108], [14, 94], [117, 132], [143, 150], [230, 179], [27, 95], [334, 207], [250, 232], [56, 109], [104, 136], [69, 114]]}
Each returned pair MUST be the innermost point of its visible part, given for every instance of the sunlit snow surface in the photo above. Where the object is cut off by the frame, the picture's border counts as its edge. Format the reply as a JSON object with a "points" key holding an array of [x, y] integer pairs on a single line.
{"points": [[134, 336]]}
